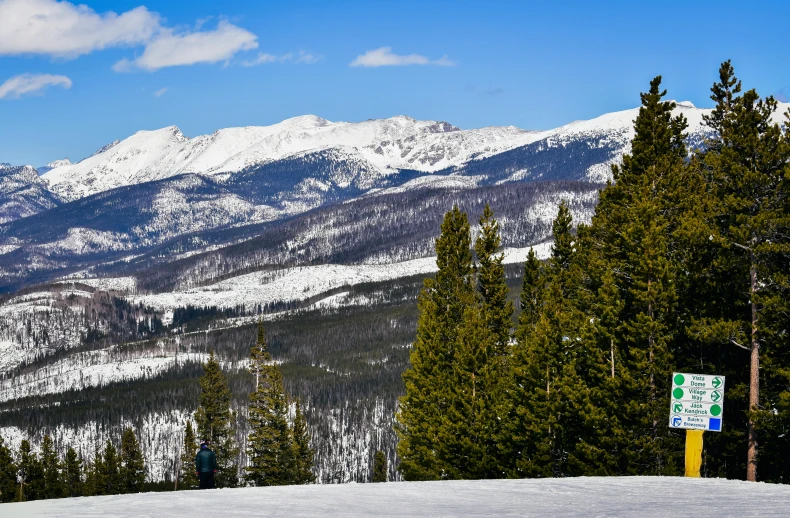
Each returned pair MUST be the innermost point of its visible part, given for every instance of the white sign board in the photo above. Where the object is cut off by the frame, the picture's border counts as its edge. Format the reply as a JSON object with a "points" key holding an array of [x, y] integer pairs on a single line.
{"points": [[696, 402]]}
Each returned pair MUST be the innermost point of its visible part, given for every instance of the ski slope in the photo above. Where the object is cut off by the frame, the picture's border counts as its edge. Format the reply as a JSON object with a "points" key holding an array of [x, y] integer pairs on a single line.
{"points": [[643, 497]]}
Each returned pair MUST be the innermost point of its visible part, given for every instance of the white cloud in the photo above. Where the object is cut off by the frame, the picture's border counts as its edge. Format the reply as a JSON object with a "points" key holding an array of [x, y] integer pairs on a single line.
{"points": [[31, 83], [307, 58], [160, 92], [384, 57], [262, 59], [171, 49], [302, 57], [65, 30]]}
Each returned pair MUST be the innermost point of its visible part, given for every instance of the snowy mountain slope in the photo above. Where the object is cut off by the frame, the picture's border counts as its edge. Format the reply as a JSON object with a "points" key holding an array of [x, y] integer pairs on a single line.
{"points": [[647, 497], [23, 193], [395, 143], [52, 165]]}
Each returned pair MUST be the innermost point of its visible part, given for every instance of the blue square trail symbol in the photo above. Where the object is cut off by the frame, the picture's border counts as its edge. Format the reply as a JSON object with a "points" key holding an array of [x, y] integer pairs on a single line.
{"points": [[714, 424]]}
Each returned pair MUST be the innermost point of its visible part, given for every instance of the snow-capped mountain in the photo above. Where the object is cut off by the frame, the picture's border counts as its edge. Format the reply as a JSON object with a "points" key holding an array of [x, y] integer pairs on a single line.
{"points": [[23, 193], [52, 165], [387, 145]]}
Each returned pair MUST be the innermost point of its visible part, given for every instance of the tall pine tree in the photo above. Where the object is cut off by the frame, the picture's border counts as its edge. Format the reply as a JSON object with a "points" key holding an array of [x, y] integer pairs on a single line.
{"points": [[73, 484], [746, 170], [269, 444], [132, 465], [30, 473], [8, 472], [215, 422], [303, 454], [52, 482], [429, 379]]}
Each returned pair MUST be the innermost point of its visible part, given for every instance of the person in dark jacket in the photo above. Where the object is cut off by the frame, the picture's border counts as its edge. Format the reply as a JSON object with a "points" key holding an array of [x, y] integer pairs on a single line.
{"points": [[205, 466]]}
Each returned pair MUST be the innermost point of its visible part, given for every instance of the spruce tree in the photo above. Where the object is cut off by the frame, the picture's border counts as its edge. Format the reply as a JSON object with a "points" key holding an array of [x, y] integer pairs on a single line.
{"points": [[8, 472], [52, 482], [429, 379], [110, 477], [491, 283], [269, 444], [303, 454], [132, 465], [187, 478], [214, 421], [548, 395], [634, 250], [746, 167], [72, 474], [30, 473], [95, 479], [380, 467]]}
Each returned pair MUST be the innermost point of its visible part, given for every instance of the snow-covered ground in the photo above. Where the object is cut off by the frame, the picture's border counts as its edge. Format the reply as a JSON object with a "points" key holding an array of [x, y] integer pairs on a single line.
{"points": [[643, 497], [304, 282]]}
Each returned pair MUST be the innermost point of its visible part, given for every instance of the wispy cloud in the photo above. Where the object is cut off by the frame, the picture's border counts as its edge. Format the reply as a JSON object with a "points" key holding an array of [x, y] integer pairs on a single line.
{"points": [[65, 30], [24, 84], [160, 92], [171, 49], [302, 57], [384, 57]]}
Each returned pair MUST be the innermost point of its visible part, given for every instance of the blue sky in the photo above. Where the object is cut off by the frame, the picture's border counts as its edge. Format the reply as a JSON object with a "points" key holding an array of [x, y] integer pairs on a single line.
{"points": [[83, 76]]}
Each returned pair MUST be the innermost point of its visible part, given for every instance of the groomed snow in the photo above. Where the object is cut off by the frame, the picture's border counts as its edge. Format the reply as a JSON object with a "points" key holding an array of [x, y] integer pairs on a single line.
{"points": [[643, 497]]}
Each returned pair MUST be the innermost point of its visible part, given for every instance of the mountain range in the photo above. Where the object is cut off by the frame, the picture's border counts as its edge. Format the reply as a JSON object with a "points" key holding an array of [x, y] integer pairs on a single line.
{"points": [[121, 272]]}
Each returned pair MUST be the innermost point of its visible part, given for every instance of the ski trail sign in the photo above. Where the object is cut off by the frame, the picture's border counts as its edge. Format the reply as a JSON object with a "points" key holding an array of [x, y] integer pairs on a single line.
{"points": [[696, 402]]}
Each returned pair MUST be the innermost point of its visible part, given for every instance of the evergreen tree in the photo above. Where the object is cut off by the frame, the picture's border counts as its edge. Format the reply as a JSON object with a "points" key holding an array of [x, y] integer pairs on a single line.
{"points": [[442, 304], [72, 474], [380, 467], [132, 466], [303, 454], [187, 478], [8, 472], [269, 444], [111, 474], [746, 167], [52, 482], [548, 396], [214, 422], [95, 479], [634, 250], [492, 285], [30, 473]]}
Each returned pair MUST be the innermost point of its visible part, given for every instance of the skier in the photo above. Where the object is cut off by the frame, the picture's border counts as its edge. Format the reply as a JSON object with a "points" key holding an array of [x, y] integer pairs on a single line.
{"points": [[205, 466]]}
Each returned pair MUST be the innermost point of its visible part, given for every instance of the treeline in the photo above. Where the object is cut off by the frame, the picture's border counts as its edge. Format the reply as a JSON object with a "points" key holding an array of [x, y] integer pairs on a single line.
{"points": [[684, 267], [28, 475]]}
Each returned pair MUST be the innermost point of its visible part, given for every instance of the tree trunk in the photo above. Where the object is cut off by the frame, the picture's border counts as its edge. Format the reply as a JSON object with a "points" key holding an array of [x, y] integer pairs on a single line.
{"points": [[754, 381], [611, 345]]}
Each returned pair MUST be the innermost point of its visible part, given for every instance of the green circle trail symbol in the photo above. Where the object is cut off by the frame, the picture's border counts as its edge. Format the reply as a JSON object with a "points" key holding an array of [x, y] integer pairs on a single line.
{"points": [[679, 379], [716, 382], [715, 396], [715, 410], [677, 393]]}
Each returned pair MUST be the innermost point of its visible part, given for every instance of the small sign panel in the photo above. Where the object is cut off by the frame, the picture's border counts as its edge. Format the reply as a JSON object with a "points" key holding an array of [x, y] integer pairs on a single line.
{"points": [[696, 402]]}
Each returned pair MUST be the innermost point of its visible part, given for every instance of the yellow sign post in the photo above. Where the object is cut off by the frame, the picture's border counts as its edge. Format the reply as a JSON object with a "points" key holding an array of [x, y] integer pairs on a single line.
{"points": [[696, 404], [693, 452]]}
